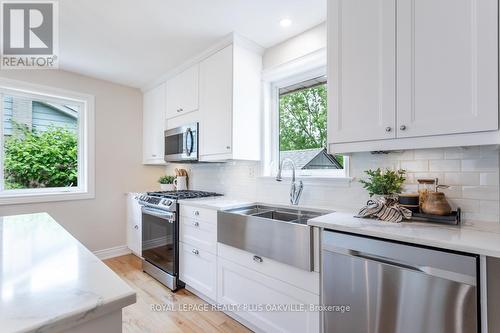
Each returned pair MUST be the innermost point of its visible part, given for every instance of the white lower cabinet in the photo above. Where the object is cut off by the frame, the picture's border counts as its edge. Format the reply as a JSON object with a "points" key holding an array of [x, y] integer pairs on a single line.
{"points": [[198, 269], [238, 285], [134, 226], [229, 276]]}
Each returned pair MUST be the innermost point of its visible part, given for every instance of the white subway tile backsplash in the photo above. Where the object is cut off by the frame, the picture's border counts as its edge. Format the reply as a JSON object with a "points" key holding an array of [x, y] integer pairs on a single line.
{"points": [[481, 165], [472, 173], [479, 217], [460, 153], [489, 207], [415, 166], [444, 165], [453, 192], [480, 192], [461, 178], [429, 154], [467, 205], [489, 179], [489, 151]]}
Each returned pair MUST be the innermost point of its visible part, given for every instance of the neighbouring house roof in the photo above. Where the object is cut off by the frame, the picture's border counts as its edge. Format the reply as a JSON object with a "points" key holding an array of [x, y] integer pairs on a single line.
{"points": [[38, 115], [317, 158]]}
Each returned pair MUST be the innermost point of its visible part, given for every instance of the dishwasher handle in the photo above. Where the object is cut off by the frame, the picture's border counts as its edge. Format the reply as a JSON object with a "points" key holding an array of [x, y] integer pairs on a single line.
{"points": [[432, 271], [383, 260]]}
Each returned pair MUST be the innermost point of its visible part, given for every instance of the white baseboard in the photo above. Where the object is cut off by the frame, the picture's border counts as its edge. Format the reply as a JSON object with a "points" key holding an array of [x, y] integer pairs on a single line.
{"points": [[112, 252]]}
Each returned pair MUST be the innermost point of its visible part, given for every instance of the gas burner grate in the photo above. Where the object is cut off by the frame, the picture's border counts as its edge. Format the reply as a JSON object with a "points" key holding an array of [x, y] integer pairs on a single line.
{"points": [[188, 194]]}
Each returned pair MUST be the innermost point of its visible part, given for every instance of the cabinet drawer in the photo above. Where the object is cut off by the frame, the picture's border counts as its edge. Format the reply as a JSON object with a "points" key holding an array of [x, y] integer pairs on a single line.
{"points": [[199, 214], [240, 285], [198, 269], [201, 234], [302, 279]]}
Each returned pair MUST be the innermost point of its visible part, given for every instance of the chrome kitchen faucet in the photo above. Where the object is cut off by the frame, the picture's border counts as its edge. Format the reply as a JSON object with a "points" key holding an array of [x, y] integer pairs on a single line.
{"points": [[296, 187]]}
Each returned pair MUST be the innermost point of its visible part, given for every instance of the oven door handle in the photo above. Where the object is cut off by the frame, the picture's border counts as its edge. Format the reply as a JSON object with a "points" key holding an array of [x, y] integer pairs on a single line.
{"points": [[170, 217]]}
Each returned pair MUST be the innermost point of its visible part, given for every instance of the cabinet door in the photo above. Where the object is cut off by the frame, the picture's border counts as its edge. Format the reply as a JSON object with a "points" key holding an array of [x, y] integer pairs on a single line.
{"points": [[216, 101], [361, 70], [134, 230], [154, 125], [447, 66], [198, 269], [239, 285], [182, 92]]}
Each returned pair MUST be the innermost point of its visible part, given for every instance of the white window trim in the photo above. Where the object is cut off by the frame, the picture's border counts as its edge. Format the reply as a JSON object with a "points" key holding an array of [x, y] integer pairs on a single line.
{"points": [[305, 68], [86, 145]]}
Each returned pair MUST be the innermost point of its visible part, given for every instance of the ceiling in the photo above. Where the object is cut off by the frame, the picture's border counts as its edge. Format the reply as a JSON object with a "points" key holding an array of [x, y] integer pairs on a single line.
{"points": [[134, 42]]}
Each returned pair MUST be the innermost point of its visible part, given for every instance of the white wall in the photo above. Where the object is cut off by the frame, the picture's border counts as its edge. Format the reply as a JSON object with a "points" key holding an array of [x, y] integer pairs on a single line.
{"points": [[307, 42], [471, 172], [99, 223]]}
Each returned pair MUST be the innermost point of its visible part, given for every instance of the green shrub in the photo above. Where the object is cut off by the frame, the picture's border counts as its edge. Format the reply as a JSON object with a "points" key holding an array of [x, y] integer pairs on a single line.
{"points": [[36, 159], [386, 182]]}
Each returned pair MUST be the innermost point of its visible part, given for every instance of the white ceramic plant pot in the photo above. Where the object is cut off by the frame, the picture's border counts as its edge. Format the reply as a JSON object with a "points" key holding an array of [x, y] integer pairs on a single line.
{"points": [[167, 187]]}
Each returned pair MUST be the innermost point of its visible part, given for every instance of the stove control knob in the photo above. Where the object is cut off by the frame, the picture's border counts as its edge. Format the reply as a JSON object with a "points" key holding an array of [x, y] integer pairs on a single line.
{"points": [[169, 202]]}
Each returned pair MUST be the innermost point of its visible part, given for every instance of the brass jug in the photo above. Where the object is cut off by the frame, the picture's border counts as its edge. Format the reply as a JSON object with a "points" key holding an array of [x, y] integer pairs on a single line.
{"points": [[435, 203]]}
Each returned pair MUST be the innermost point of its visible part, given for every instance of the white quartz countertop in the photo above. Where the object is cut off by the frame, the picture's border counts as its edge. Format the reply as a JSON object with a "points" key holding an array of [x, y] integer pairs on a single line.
{"points": [[482, 239], [49, 282]]}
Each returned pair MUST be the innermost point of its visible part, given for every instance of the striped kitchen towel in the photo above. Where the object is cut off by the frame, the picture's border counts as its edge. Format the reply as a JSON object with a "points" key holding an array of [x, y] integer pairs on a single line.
{"points": [[385, 210]]}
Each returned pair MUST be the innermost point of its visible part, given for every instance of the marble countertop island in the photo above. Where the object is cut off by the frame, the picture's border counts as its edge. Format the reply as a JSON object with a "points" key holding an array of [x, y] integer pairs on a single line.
{"points": [[49, 282], [479, 238]]}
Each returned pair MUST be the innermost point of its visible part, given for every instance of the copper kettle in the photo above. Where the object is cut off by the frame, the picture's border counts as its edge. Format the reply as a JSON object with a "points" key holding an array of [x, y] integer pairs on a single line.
{"points": [[435, 203]]}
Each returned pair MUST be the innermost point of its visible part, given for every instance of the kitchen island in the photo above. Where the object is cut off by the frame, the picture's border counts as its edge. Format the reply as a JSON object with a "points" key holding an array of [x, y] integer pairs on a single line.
{"points": [[49, 282]]}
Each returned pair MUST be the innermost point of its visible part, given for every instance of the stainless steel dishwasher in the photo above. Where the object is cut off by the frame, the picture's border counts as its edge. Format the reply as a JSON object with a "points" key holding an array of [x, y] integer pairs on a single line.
{"points": [[397, 288]]}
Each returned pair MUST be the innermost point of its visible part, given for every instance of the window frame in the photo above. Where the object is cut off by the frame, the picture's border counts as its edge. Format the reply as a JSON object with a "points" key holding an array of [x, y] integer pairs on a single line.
{"points": [[86, 139], [272, 160]]}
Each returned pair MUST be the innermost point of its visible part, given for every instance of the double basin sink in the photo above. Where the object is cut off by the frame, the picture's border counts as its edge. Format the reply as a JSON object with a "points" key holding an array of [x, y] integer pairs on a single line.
{"points": [[274, 232]]}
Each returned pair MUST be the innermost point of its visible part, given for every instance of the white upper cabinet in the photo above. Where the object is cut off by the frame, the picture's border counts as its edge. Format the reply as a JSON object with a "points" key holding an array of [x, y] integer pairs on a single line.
{"points": [[230, 104], [222, 92], [216, 100], [417, 75], [362, 70], [153, 124], [447, 66], [182, 92]]}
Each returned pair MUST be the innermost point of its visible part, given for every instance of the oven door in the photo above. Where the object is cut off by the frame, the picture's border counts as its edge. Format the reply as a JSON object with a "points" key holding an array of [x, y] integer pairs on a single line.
{"points": [[159, 239], [181, 143]]}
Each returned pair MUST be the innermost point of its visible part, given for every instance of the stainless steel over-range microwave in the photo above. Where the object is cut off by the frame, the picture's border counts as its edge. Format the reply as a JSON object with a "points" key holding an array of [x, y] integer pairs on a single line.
{"points": [[181, 143]]}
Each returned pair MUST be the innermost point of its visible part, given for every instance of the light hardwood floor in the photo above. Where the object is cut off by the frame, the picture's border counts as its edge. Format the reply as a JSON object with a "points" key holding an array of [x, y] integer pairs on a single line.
{"points": [[140, 318]]}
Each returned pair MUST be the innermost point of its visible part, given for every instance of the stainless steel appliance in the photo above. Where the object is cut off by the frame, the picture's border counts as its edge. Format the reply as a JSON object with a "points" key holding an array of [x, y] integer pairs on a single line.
{"points": [[181, 143], [160, 234], [277, 233], [397, 288]]}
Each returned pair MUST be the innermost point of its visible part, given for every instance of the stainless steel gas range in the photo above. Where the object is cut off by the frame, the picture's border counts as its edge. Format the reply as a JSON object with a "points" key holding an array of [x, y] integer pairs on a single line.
{"points": [[160, 234]]}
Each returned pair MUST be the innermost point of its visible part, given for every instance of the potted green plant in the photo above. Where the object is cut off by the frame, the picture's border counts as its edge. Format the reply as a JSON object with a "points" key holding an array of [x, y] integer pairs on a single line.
{"points": [[386, 183], [166, 183]]}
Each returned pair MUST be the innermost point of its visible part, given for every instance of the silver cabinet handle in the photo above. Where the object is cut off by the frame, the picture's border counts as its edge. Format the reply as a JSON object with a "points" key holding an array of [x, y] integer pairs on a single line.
{"points": [[196, 213], [257, 259], [153, 155], [136, 227], [228, 147], [402, 127], [180, 110], [195, 251], [388, 129], [196, 224]]}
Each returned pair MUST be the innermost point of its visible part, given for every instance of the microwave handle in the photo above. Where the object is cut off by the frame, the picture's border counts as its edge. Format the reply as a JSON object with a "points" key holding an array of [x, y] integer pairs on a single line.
{"points": [[190, 150]]}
